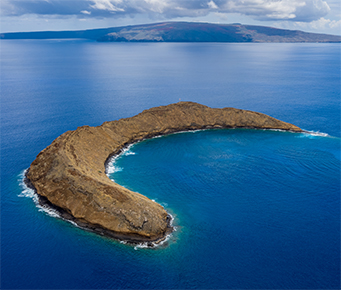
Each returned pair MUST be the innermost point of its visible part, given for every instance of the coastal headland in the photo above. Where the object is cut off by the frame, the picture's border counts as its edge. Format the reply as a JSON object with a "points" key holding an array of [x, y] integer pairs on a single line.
{"points": [[181, 32], [70, 174]]}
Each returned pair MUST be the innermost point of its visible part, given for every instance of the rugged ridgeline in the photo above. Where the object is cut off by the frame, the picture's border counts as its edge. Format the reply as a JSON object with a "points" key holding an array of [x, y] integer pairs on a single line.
{"points": [[182, 32], [70, 173]]}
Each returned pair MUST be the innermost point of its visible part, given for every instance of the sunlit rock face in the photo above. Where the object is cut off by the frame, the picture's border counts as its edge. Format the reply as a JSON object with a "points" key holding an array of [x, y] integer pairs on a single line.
{"points": [[70, 174]]}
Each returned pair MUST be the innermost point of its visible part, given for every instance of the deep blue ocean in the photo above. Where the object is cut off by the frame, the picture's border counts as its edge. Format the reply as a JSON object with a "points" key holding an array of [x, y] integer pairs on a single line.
{"points": [[253, 209]]}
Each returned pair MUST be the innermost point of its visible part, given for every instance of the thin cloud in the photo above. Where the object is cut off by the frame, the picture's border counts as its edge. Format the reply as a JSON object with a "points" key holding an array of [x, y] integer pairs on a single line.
{"points": [[265, 10], [86, 12], [322, 25], [107, 5]]}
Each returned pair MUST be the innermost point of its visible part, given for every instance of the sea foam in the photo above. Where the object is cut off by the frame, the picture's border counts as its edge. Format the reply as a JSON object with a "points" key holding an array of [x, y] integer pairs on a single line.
{"points": [[111, 165], [317, 133], [312, 134], [112, 168], [30, 193], [157, 245]]}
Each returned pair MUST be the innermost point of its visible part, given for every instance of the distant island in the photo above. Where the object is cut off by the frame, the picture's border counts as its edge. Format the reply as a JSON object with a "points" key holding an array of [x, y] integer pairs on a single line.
{"points": [[181, 32], [70, 174]]}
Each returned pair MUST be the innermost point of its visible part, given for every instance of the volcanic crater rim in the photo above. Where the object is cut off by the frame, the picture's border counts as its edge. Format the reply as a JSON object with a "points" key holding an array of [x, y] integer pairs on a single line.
{"points": [[71, 173]]}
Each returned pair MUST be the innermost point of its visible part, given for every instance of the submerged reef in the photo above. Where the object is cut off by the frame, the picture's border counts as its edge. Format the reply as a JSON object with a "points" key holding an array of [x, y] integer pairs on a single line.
{"points": [[70, 174]]}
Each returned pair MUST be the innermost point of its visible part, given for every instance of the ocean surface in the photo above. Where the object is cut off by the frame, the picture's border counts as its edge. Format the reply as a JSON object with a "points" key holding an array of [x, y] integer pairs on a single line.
{"points": [[253, 209]]}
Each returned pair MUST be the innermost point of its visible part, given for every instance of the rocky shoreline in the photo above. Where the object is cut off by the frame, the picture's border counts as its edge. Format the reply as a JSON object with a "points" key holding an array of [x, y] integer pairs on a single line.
{"points": [[97, 229], [70, 174]]}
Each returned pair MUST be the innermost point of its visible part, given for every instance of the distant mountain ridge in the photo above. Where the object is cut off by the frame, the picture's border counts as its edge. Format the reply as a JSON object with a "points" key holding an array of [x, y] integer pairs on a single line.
{"points": [[182, 32]]}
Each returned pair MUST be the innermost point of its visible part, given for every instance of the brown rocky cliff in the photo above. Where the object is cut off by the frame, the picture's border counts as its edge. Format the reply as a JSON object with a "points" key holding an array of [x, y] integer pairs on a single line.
{"points": [[70, 173]]}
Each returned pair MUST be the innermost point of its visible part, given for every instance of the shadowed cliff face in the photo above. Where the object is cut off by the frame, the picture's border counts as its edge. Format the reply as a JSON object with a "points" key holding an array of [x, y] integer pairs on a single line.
{"points": [[70, 173]]}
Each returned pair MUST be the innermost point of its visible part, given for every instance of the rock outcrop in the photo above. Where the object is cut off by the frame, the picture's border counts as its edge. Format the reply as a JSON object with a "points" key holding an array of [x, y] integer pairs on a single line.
{"points": [[70, 174]]}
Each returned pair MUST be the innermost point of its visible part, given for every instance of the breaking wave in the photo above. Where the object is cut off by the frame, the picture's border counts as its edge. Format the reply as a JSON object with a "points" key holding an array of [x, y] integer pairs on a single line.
{"points": [[30, 193], [147, 245], [111, 165], [317, 133], [312, 134], [112, 168]]}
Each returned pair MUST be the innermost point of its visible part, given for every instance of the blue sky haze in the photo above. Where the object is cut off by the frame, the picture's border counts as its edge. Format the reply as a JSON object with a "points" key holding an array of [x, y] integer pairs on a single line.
{"points": [[322, 16]]}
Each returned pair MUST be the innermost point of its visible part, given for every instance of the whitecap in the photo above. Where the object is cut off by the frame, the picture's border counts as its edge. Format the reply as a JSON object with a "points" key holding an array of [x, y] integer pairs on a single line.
{"points": [[30, 193], [199, 130], [191, 131], [153, 245], [73, 223], [127, 151], [141, 246], [111, 164], [318, 133], [26, 191], [112, 168], [158, 136], [51, 212], [277, 130], [312, 134]]}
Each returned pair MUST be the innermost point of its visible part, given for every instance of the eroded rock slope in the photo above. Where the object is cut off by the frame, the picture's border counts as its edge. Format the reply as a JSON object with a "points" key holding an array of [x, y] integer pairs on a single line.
{"points": [[70, 173]]}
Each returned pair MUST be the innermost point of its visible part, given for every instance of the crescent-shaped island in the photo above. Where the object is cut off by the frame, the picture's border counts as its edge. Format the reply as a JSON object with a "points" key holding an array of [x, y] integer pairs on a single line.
{"points": [[70, 174]]}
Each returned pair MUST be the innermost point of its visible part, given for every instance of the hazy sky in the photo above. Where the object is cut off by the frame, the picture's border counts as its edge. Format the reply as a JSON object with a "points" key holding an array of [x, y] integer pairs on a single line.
{"points": [[33, 15]]}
